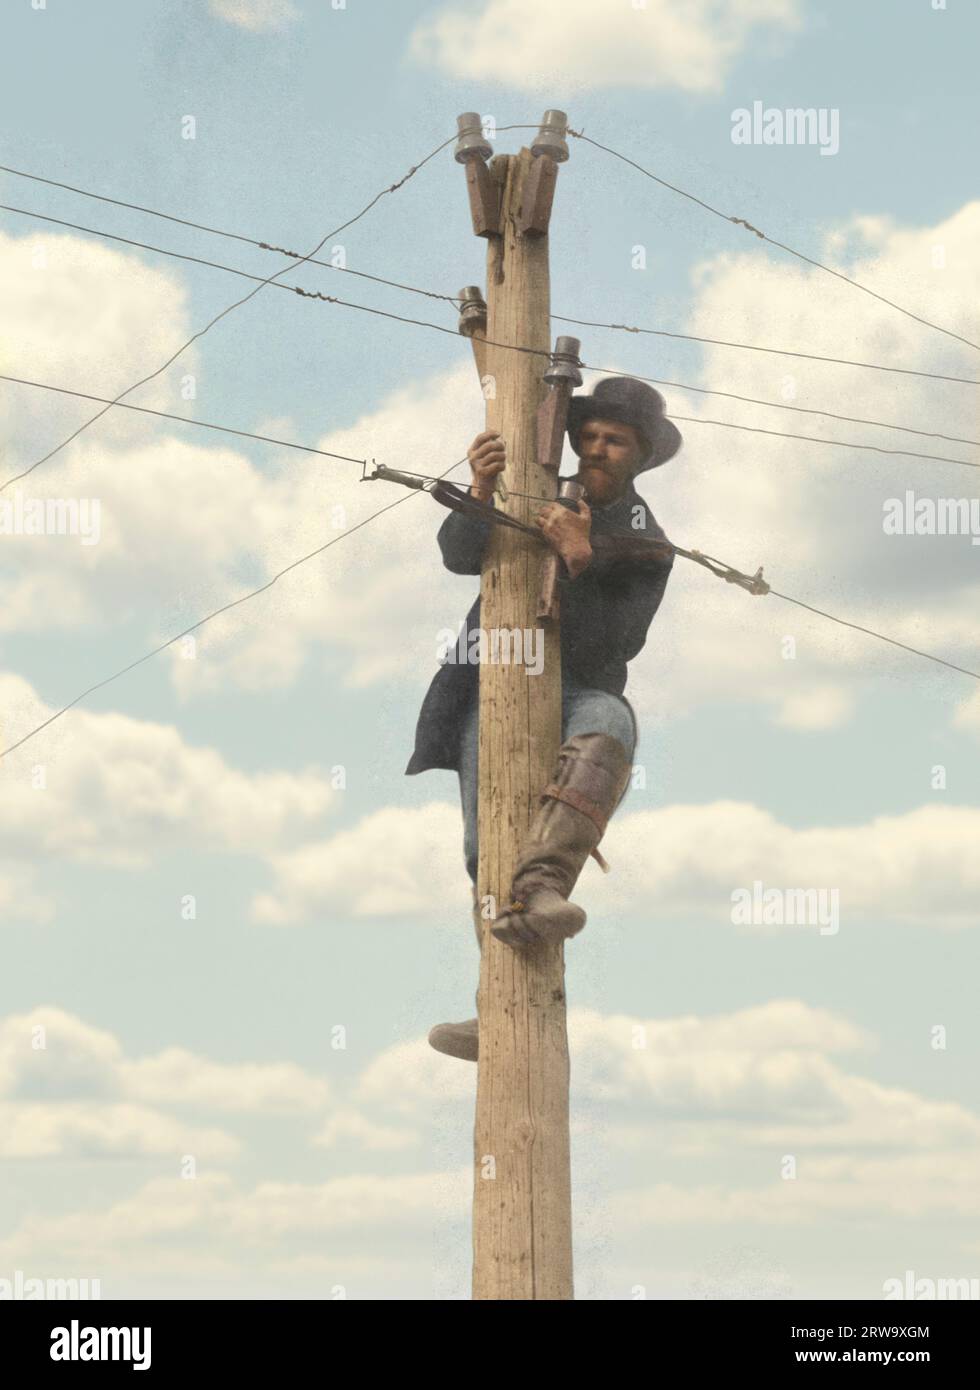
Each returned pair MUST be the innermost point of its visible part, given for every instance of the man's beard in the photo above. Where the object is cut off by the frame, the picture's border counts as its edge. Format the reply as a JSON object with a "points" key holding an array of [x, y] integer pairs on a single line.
{"points": [[591, 474]]}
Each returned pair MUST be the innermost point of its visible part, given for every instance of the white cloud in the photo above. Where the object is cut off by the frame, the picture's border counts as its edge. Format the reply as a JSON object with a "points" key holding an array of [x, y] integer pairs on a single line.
{"points": [[726, 1092], [257, 16], [572, 45], [178, 1077], [63, 1093], [353, 1126], [906, 1188], [359, 600], [409, 1076], [117, 790], [49, 1054], [920, 866], [764, 1077], [53, 1057], [181, 561], [748, 498], [211, 1223], [230, 525], [761, 1076], [812, 516], [723, 1094], [346, 874], [358, 1201], [91, 1130], [60, 290]]}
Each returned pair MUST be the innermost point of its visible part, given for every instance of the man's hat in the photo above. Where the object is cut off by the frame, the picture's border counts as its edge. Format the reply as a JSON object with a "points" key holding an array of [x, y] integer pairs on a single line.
{"points": [[629, 402]]}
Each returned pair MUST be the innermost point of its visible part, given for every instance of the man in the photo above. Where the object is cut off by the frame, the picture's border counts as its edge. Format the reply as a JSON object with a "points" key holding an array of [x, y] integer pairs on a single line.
{"points": [[614, 578]]}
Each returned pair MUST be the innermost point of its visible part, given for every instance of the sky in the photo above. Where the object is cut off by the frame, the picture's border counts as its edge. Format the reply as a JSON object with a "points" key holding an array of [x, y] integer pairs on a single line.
{"points": [[227, 917]]}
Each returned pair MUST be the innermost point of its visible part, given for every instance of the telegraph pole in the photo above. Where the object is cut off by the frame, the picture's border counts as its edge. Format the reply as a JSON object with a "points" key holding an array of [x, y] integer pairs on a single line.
{"points": [[522, 1216]]}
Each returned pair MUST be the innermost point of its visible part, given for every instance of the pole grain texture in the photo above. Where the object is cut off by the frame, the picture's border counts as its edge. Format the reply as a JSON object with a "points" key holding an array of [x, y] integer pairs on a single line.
{"points": [[522, 1244]]}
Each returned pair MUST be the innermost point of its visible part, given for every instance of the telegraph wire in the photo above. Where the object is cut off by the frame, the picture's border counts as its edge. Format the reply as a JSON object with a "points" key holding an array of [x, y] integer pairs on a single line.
{"points": [[454, 299], [216, 231], [346, 458], [237, 304], [272, 279], [777, 352], [741, 222], [183, 419], [699, 557], [512, 347], [796, 409], [871, 633], [136, 207], [816, 439], [235, 603], [928, 656], [179, 255]]}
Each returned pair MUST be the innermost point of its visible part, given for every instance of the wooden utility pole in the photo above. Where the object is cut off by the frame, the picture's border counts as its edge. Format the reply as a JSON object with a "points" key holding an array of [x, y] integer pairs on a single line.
{"points": [[522, 1217]]}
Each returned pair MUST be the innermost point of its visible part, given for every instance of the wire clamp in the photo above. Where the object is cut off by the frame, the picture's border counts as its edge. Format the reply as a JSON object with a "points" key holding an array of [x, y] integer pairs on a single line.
{"points": [[752, 583]]}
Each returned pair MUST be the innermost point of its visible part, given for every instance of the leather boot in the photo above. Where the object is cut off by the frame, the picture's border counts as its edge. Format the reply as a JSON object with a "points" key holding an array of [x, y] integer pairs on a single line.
{"points": [[592, 775], [461, 1039]]}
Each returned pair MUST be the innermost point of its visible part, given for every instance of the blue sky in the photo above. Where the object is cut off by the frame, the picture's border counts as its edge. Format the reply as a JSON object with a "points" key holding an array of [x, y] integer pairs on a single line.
{"points": [[320, 906]]}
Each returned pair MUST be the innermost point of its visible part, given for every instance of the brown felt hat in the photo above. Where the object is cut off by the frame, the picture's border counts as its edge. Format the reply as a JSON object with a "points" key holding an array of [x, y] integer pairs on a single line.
{"points": [[629, 402]]}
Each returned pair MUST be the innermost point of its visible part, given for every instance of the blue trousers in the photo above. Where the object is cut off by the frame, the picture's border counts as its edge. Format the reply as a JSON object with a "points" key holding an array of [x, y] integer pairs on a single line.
{"points": [[583, 711]]}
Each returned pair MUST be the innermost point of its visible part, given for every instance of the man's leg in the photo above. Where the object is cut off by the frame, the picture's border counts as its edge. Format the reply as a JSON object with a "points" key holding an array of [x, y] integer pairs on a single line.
{"points": [[469, 763], [590, 780], [585, 711], [462, 1039]]}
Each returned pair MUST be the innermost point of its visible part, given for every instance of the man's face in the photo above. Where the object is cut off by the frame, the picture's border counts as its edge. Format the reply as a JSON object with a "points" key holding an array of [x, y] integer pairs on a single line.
{"points": [[608, 455]]}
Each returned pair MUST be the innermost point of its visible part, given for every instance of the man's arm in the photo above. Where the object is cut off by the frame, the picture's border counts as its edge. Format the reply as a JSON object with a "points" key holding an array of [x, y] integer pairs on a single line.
{"points": [[620, 604], [643, 591], [462, 540], [607, 554]]}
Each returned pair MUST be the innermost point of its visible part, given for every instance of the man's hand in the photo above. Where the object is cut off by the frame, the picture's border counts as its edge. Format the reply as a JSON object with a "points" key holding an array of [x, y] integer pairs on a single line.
{"points": [[568, 532], [488, 457]]}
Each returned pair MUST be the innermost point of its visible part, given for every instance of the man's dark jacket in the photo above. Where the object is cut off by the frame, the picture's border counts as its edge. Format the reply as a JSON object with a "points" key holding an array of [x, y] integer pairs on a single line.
{"points": [[605, 614]]}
